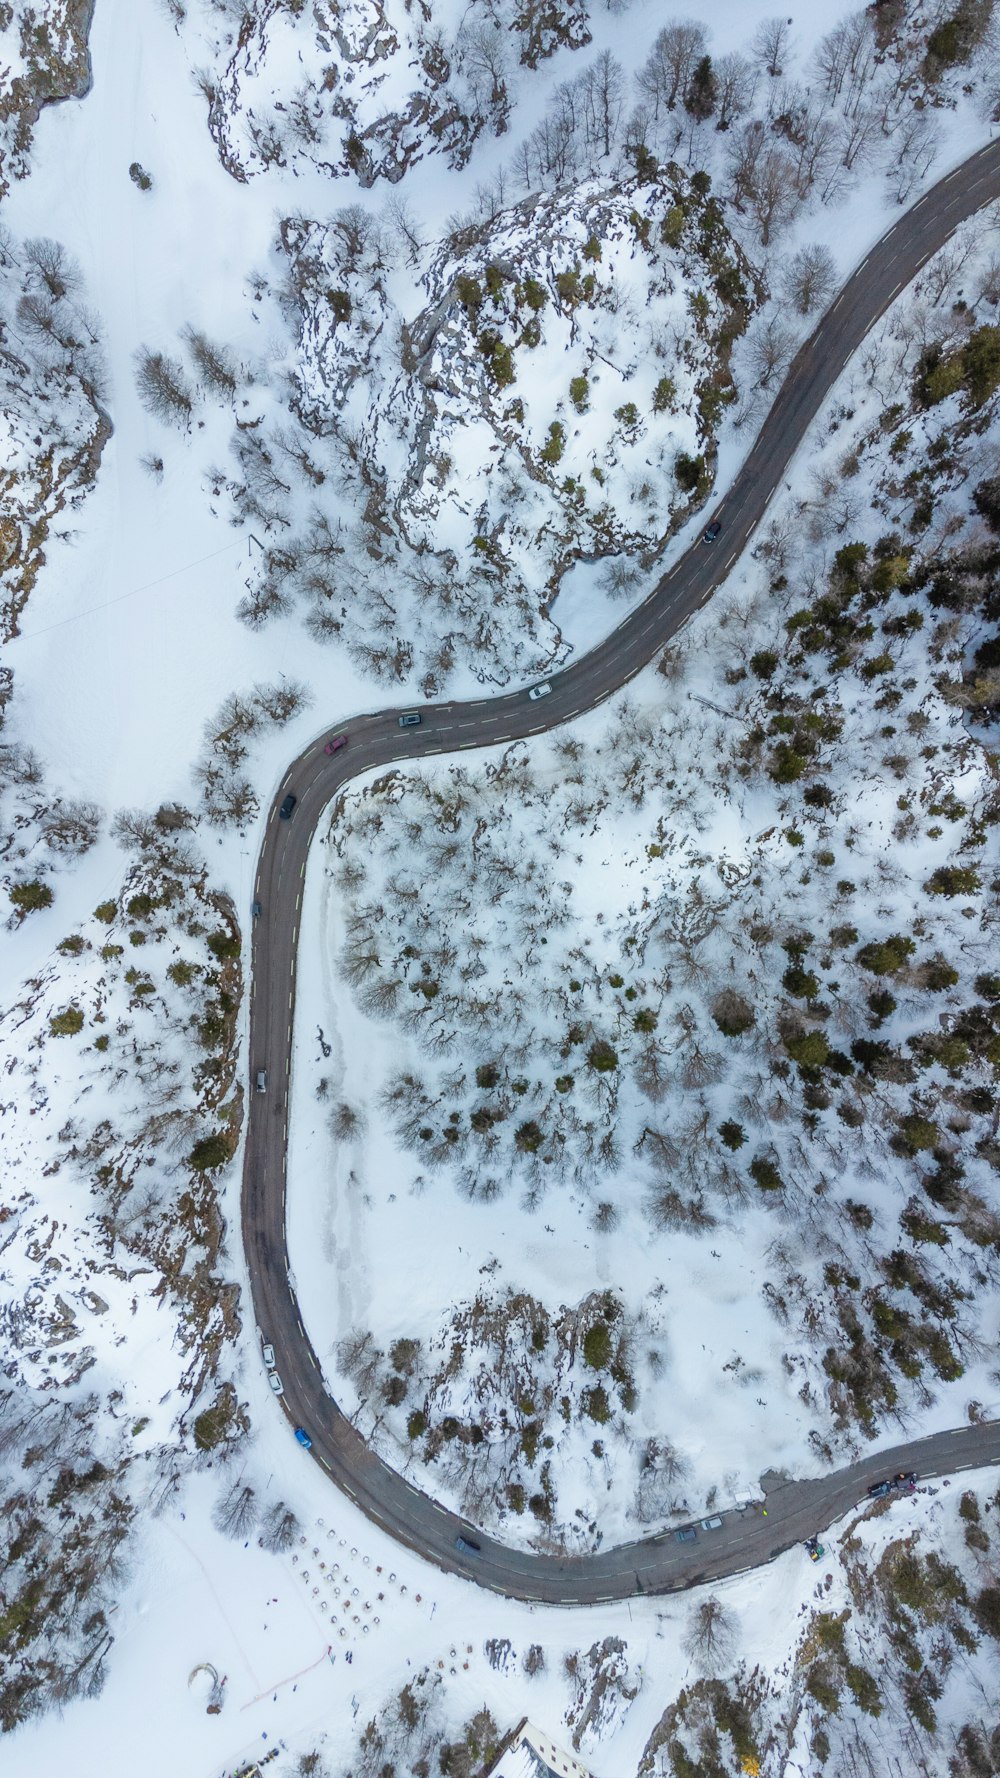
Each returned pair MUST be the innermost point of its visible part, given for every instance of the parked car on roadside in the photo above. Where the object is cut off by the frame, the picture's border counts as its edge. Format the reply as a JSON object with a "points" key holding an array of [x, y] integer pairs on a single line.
{"points": [[277, 1386], [907, 1478], [879, 1490], [714, 1524], [267, 1354], [686, 1534]]}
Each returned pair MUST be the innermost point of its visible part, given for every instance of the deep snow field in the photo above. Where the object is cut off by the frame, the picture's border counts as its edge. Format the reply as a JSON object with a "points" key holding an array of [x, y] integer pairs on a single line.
{"points": [[128, 648]]}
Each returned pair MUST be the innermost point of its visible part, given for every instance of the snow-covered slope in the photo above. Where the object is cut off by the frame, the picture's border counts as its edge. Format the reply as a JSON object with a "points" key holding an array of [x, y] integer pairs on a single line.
{"points": [[689, 1017]]}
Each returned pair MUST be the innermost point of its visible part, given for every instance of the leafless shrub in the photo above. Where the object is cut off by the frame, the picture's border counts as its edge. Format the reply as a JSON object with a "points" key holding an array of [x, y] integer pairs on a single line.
{"points": [[809, 278], [163, 387]]}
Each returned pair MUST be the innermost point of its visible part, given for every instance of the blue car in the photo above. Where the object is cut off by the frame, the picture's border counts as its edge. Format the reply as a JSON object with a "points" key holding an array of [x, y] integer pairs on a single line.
{"points": [[303, 1437]]}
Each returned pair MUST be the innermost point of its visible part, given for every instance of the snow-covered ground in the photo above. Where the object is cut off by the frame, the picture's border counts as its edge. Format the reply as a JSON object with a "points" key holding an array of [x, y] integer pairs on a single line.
{"points": [[129, 646]]}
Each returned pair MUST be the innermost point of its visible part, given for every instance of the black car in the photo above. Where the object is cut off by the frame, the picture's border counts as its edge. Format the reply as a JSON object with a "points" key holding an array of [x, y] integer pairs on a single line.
{"points": [[468, 1546], [287, 806], [907, 1478], [714, 531], [879, 1490]]}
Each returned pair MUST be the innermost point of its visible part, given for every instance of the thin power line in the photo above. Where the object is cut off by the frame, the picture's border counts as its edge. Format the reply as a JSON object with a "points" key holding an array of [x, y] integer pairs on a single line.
{"points": [[28, 635]]}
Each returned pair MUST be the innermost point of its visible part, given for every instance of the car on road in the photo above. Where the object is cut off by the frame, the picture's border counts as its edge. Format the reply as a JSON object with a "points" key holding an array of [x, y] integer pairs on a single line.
{"points": [[686, 1534], [713, 531], [303, 1438], [287, 806], [879, 1490], [277, 1386], [907, 1478], [262, 1080], [539, 691], [267, 1354], [336, 744], [468, 1546], [714, 1524], [410, 719], [256, 909]]}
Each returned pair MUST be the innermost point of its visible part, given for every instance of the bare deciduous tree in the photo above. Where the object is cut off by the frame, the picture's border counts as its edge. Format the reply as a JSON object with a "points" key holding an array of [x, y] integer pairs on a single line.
{"points": [[670, 63], [710, 1633], [768, 350], [809, 278], [279, 1529], [163, 387], [770, 45], [736, 81], [215, 364], [235, 1514]]}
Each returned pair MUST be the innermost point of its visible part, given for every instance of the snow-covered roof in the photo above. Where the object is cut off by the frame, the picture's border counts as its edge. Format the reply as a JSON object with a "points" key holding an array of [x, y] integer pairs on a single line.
{"points": [[533, 1754]]}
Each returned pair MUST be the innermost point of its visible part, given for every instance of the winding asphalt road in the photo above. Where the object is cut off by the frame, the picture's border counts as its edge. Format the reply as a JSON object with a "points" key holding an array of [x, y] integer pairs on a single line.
{"points": [[794, 1509]]}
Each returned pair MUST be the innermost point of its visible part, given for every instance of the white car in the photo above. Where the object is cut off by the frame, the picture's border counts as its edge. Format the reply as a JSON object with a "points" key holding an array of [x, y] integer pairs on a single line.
{"points": [[277, 1385], [539, 691], [711, 1524], [268, 1357]]}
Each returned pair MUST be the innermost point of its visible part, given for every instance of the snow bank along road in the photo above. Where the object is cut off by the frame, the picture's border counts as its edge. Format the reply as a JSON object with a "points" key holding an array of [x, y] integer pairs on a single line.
{"points": [[795, 1509]]}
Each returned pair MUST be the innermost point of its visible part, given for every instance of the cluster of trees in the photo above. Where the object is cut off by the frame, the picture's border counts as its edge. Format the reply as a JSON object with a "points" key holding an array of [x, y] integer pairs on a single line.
{"points": [[228, 797], [67, 1515], [884, 1678], [166, 388], [862, 101], [864, 96], [489, 1400]]}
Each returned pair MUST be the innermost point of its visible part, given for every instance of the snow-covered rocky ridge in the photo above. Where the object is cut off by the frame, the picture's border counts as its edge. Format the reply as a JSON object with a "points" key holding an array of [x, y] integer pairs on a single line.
{"points": [[43, 59], [117, 1321], [54, 427], [361, 90], [556, 397]]}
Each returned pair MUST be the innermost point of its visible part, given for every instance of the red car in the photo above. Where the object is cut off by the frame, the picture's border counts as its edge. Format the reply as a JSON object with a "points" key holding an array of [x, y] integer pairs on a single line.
{"points": [[336, 744]]}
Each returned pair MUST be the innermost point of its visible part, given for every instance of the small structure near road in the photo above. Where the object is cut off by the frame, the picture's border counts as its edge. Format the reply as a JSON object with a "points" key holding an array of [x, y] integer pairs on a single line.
{"points": [[527, 1752]]}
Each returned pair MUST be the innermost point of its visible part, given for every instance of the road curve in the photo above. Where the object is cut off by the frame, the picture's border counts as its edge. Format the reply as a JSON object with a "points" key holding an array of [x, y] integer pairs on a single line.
{"points": [[795, 1509]]}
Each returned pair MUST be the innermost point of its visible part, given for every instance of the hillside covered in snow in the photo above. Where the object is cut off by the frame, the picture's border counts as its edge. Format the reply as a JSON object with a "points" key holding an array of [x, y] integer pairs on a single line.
{"points": [[644, 1094]]}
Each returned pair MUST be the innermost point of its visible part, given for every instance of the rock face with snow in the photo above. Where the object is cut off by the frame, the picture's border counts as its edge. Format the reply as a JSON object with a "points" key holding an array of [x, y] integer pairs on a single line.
{"points": [[116, 1319], [556, 397], [369, 90], [53, 427], [44, 58]]}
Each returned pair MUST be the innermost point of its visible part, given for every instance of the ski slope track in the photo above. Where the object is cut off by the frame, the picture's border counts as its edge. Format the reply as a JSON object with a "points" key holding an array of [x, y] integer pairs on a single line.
{"points": [[795, 1509]]}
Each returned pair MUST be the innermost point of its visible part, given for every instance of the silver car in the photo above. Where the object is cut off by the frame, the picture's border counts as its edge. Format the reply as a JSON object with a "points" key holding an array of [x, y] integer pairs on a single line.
{"points": [[277, 1386]]}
